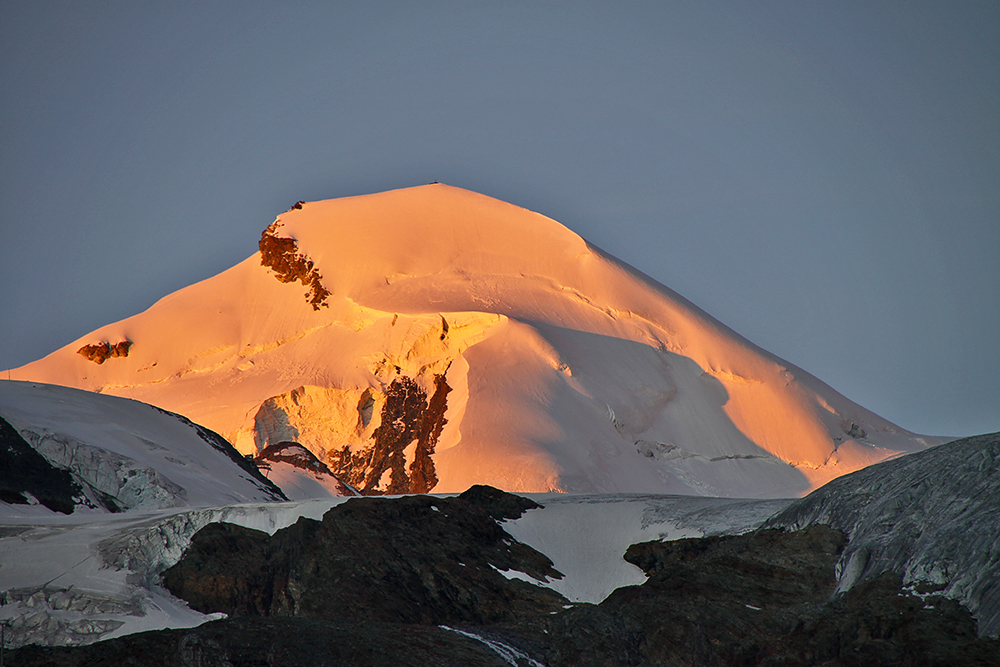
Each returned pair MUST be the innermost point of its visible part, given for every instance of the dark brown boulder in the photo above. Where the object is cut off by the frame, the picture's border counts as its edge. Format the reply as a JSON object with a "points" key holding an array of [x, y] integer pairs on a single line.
{"points": [[406, 560]]}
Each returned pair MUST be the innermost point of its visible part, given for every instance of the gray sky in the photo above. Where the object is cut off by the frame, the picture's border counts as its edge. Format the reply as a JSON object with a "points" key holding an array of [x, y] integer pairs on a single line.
{"points": [[823, 177]]}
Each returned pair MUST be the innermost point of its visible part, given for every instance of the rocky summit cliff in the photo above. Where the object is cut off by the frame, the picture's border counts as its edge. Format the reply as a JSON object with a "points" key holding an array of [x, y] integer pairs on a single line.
{"points": [[431, 338]]}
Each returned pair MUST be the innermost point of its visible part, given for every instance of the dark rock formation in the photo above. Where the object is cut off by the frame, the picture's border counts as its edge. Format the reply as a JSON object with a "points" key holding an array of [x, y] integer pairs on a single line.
{"points": [[101, 352], [855, 431], [931, 517], [367, 585], [407, 416], [407, 560], [25, 471], [295, 454], [281, 642], [759, 599], [282, 256]]}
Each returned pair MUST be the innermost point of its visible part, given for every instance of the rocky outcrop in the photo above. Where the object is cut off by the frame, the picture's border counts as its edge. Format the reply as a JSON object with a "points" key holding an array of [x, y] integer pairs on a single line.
{"points": [[101, 352], [766, 598], [297, 456], [931, 518], [26, 476], [282, 256], [408, 560], [293, 453], [398, 459], [278, 641], [415, 580]]}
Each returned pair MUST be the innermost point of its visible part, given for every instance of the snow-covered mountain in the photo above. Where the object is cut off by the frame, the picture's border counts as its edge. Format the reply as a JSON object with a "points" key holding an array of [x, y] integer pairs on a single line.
{"points": [[64, 449], [432, 338]]}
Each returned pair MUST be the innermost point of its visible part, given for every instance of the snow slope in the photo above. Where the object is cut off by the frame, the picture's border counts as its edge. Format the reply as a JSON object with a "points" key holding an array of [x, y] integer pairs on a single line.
{"points": [[299, 474], [125, 455], [84, 577], [432, 338]]}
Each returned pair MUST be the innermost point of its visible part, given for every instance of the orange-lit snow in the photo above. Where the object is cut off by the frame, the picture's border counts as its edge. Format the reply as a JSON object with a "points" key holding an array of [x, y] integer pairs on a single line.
{"points": [[570, 371]]}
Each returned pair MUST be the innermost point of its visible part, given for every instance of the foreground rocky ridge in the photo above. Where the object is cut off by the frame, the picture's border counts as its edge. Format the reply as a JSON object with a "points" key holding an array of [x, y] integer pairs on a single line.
{"points": [[758, 599], [354, 588], [452, 571], [415, 559], [933, 518]]}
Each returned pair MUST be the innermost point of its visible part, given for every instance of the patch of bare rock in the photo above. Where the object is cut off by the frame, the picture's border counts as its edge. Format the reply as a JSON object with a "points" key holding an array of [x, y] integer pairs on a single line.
{"points": [[101, 352], [282, 256]]}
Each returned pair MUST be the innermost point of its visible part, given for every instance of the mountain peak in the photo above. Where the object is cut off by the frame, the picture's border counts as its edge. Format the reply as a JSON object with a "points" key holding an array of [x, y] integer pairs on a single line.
{"points": [[567, 370]]}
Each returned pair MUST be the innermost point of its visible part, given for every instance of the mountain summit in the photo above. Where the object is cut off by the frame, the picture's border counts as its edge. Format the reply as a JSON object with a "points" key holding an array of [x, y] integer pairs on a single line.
{"points": [[432, 338]]}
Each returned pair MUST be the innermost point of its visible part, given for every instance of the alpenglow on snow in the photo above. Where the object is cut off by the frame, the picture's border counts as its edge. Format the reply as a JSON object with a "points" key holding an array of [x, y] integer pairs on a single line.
{"points": [[431, 338]]}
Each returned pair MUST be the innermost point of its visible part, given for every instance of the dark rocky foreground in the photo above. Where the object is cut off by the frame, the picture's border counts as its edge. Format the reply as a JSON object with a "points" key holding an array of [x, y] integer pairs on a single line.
{"points": [[415, 559], [415, 581], [259, 642], [932, 517], [24, 472]]}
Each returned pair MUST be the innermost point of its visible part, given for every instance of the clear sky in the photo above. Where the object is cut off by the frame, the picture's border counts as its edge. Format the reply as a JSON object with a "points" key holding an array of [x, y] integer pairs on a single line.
{"points": [[823, 177]]}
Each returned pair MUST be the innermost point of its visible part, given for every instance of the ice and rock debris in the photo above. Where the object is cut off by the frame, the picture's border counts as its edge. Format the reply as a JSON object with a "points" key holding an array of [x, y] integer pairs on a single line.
{"points": [[72, 449], [931, 518]]}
